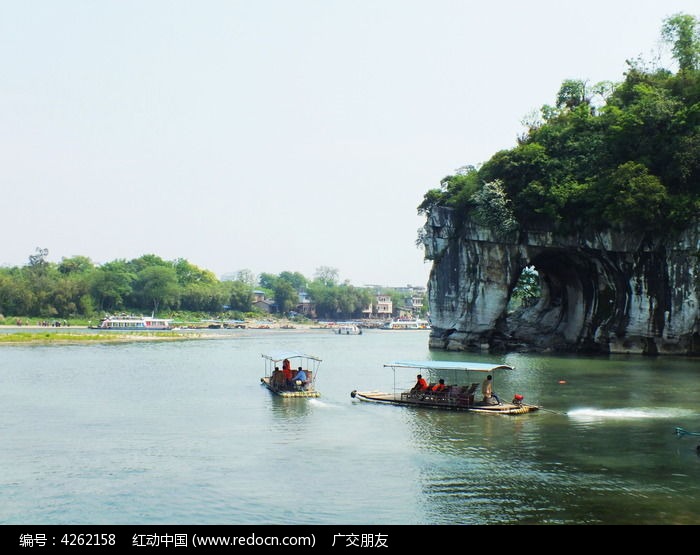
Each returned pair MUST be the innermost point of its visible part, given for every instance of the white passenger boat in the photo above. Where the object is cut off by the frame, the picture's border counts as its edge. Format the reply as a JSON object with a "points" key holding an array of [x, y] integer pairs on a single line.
{"points": [[134, 323], [450, 385], [410, 324], [347, 328]]}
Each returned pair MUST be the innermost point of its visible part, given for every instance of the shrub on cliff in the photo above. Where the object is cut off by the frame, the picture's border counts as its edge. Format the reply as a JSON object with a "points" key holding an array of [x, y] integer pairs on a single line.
{"points": [[626, 155]]}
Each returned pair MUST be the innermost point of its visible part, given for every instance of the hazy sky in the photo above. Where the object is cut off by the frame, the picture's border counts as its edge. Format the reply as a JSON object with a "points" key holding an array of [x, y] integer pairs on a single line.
{"points": [[276, 135]]}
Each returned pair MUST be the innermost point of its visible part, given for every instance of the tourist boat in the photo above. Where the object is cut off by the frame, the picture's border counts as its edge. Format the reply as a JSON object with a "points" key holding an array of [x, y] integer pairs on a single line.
{"points": [[347, 328], [462, 380], [274, 378], [134, 323], [412, 324]]}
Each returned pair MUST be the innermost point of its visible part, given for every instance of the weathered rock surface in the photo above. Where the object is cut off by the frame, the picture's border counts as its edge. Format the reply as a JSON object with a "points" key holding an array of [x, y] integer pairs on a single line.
{"points": [[603, 293]]}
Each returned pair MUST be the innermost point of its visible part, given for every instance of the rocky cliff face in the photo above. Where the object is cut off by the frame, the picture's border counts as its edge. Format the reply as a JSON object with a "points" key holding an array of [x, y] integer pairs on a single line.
{"points": [[604, 293]]}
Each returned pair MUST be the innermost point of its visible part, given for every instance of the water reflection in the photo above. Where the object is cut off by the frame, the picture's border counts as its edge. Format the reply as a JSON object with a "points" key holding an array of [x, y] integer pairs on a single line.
{"points": [[289, 408], [547, 467], [479, 468]]}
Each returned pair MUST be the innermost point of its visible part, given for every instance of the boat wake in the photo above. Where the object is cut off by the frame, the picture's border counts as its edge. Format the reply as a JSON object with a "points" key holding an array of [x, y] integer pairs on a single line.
{"points": [[591, 414], [319, 403]]}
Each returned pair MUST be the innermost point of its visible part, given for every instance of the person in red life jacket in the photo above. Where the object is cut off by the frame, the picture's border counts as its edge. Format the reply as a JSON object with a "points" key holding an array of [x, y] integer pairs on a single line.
{"points": [[440, 386], [287, 370], [421, 384]]}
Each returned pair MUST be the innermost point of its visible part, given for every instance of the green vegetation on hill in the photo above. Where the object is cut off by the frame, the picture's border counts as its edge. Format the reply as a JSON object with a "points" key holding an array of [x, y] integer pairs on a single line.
{"points": [[623, 155]]}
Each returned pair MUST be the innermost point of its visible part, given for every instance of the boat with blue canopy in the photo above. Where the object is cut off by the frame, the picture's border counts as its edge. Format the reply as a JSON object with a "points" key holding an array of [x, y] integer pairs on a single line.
{"points": [[451, 385]]}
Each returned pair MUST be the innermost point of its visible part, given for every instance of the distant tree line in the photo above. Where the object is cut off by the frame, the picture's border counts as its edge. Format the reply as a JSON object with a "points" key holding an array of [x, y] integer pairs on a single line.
{"points": [[76, 287], [332, 300], [623, 155]]}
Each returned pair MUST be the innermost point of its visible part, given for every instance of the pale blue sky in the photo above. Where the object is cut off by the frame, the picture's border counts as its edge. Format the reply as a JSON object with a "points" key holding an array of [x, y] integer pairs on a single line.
{"points": [[276, 135]]}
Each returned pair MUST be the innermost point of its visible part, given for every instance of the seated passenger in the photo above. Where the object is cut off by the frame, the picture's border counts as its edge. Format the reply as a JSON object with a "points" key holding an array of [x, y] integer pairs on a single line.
{"points": [[421, 384], [440, 386], [277, 379]]}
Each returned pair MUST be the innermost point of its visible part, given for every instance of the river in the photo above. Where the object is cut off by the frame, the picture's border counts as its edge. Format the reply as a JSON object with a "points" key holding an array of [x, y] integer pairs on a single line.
{"points": [[184, 433]]}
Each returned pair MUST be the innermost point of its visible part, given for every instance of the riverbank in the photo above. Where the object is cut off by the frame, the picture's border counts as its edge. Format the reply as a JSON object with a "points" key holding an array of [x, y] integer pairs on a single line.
{"points": [[23, 337], [38, 333], [14, 334]]}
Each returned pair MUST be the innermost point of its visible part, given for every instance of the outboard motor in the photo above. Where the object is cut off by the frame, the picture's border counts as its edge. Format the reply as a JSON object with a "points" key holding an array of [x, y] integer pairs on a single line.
{"points": [[518, 399]]}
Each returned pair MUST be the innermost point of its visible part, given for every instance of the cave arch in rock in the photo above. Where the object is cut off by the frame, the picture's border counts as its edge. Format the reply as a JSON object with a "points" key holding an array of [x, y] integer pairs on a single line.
{"points": [[578, 295]]}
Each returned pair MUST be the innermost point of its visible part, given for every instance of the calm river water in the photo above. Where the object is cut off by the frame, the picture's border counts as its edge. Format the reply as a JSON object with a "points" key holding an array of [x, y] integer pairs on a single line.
{"points": [[184, 433]]}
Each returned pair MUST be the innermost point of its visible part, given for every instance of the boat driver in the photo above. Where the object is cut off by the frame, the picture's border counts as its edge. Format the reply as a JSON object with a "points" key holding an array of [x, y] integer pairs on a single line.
{"points": [[490, 398], [300, 378]]}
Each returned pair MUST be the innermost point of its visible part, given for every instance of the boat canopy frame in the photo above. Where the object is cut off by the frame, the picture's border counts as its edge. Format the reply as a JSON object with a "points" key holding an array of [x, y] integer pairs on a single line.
{"points": [[441, 368], [449, 365], [307, 360]]}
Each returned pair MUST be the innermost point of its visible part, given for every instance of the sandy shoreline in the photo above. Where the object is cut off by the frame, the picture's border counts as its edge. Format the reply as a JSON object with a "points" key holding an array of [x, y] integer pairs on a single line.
{"points": [[37, 327], [36, 334], [285, 327]]}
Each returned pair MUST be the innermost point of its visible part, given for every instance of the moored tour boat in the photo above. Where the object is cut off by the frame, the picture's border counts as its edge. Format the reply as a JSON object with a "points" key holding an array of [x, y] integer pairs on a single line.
{"points": [[291, 385], [347, 328], [458, 388], [413, 324], [134, 323]]}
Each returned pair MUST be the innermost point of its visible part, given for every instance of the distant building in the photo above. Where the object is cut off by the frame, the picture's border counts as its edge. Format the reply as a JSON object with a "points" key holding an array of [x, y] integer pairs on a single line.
{"points": [[415, 304], [306, 306], [385, 306], [382, 307], [265, 306]]}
